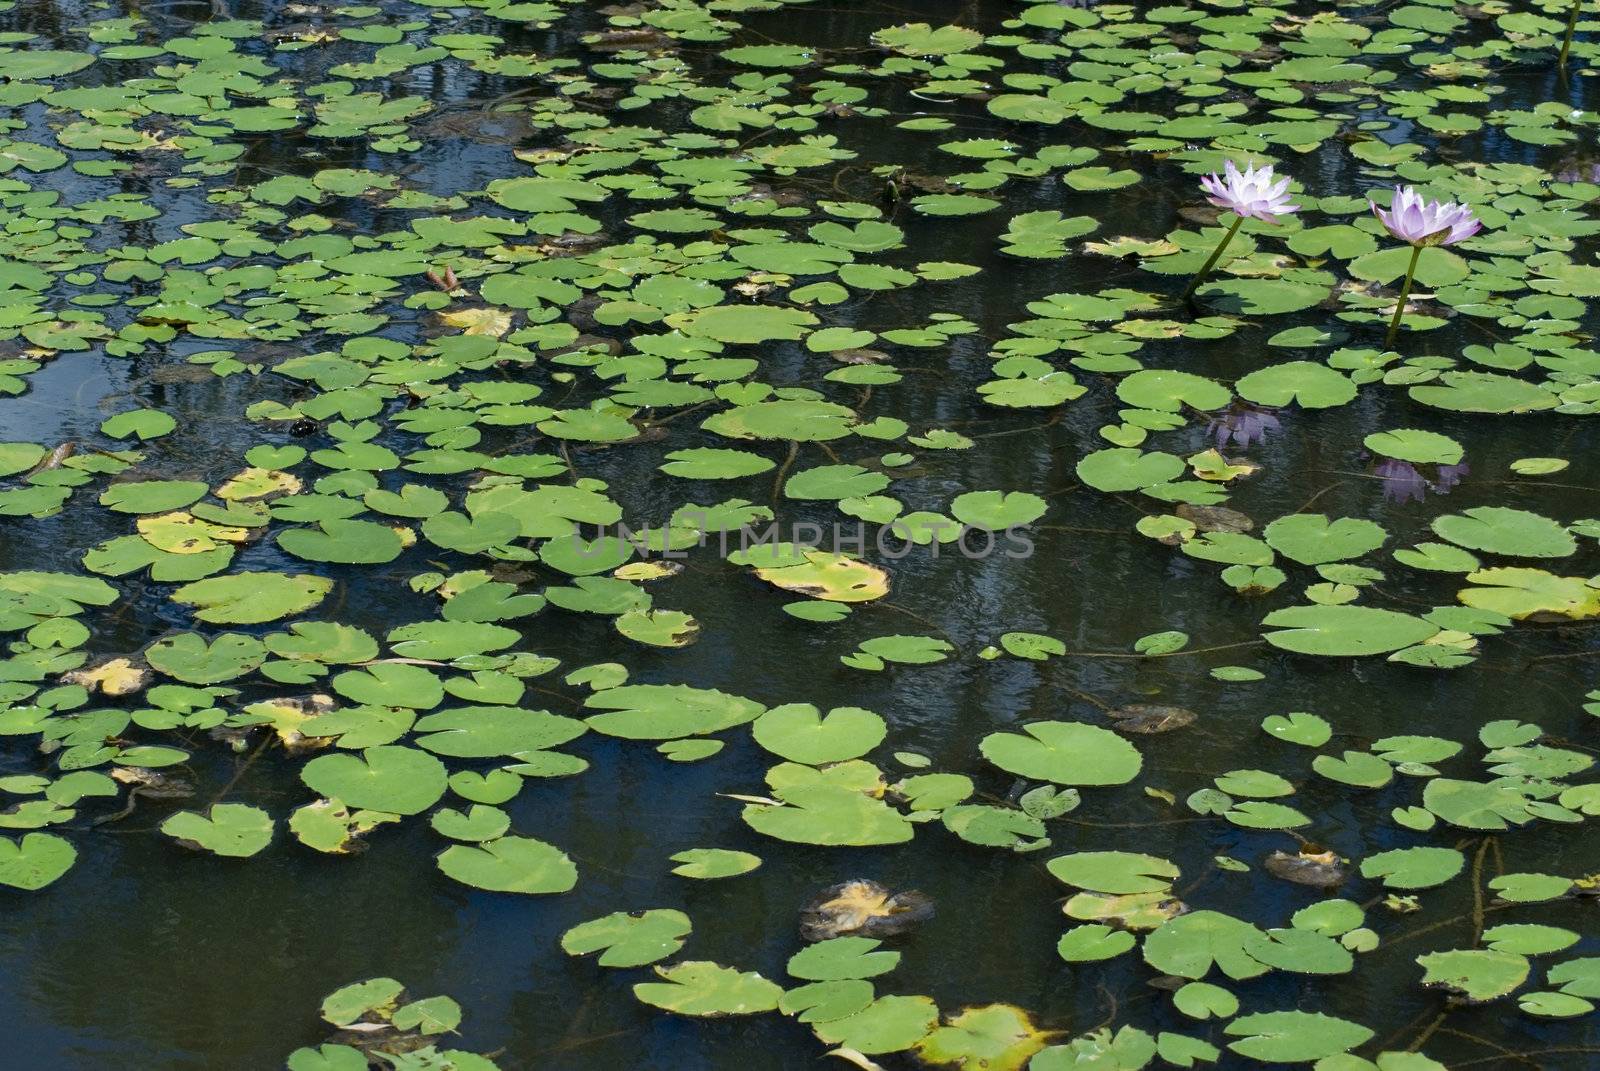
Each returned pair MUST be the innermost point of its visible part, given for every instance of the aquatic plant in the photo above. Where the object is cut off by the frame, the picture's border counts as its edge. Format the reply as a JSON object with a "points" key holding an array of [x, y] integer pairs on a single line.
{"points": [[1422, 225], [1249, 194], [615, 504], [1573, 13]]}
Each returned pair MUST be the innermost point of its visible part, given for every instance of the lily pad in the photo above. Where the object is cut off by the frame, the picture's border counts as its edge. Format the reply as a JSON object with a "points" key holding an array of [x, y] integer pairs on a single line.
{"points": [[510, 864], [399, 780], [1066, 753], [700, 988], [235, 830], [629, 938]]}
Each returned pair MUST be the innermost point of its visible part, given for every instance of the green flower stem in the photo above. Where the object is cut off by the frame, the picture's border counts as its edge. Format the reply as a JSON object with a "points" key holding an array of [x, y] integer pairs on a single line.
{"points": [[1205, 269], [1572, 25], [1405, 292]]}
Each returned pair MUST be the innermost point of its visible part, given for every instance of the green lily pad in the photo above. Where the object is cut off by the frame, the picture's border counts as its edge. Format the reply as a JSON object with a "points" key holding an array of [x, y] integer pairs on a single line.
{"points": [[1312, 539], [230, 829], [709, 864], [996, 1036], [343, 541], [841, 958], [629, 938], [1294, 1036], [1502, 530], [1478, 975], [251, 598], [667, 711], [152, 496], [1415, 444], [701, 988], [1066, 753], [399, 780], [510, 864], [1413, 868], [801, 733], [1114, 872], [35, 861], [888, 1024], [1335, 631]]}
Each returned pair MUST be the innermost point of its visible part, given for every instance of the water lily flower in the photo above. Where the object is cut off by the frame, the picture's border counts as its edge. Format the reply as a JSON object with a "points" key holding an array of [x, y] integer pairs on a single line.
{"points": [[1425, 223], [1422, 224], [1253, 193]]}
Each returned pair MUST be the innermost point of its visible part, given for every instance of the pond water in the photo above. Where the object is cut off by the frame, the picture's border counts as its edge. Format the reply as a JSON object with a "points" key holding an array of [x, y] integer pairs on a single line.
{"points": [[371, 316]]}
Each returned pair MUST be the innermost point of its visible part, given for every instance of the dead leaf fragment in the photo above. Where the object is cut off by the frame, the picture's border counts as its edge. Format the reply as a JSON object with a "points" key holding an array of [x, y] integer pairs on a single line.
{"points": [[115, 676], [1320, 870], [1150, 718], [492, 322], [862, 908]]}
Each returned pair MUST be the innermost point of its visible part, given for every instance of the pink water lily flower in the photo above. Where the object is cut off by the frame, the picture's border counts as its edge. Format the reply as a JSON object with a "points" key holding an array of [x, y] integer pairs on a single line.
{"points": [[1248, 194], [1422, 225], [1251, 193], [1426, 223]]}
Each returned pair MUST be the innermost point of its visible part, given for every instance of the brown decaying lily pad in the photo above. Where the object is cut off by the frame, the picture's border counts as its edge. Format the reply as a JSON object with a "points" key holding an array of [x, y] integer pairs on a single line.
{"points": [[862, 908], [1320, 870], [1150, 718]]}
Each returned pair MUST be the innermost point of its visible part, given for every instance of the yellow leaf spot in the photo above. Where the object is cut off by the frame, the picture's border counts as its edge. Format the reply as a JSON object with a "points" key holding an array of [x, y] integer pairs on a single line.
{"points": [[493, 322], [258, 483], [117, 676], [829, 577]]}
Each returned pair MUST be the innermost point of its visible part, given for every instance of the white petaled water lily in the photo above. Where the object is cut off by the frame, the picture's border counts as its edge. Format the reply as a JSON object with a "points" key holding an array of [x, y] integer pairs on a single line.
{"points": [[1254, 193]]}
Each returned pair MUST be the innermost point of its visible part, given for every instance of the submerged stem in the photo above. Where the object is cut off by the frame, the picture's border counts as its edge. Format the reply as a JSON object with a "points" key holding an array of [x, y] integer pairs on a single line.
{"points": [[1205, 269], [1405, 292], [1428, 1031], [1477, 889], [1572, 26], [783, 470]]}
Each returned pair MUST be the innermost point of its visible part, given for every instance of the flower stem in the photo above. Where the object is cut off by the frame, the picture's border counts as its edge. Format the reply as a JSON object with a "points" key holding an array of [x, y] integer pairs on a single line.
{"points": [[1405, 292], [1205, 269], [1572, 25]]}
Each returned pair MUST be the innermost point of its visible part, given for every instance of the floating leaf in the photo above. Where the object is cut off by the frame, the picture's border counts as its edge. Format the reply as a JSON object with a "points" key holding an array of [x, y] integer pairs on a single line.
{"points": [[888, 1024], [1293, 1036], [801, 733], [999, 1037], [1479, 975], [399, 780], [1501, 530], [1114, 872], [510, 864], [251, 598], [231, 829], [34, 861], [1334, 631], [1067, 753], [696, 987], [712, 863], [629, 938], [841, 958]]}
